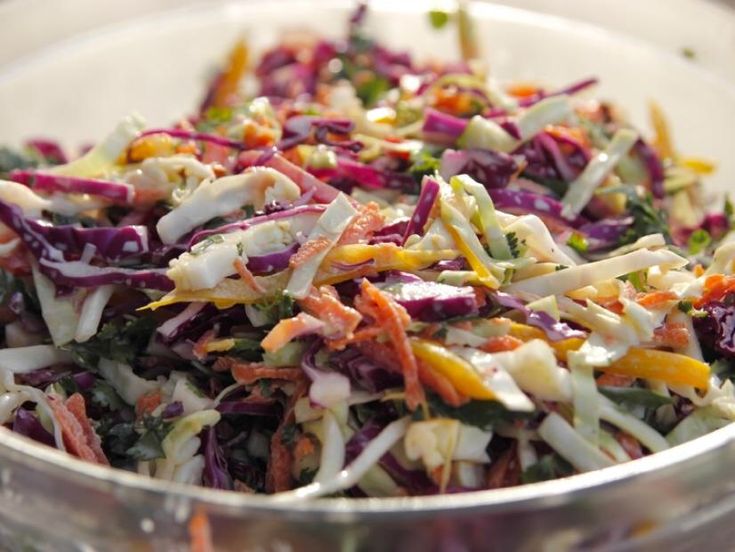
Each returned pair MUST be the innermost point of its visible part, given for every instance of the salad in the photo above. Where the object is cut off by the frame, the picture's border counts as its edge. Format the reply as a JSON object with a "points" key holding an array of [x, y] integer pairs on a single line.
{"points": [[351, 273]]}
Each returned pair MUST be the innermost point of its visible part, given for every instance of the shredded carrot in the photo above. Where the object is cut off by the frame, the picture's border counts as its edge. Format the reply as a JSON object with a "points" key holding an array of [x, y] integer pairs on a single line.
{"points": [[576, 134], [673, 334], [611, 303], [147, 403], [364, 225], [200, 347], [454, 101], [698, 270], [324, 304], [189, 148], [505, 471], [250, 372], [394, 319], [200, 532], [280, 459], [79, 436], [258, 136], [614, 380], [289, 329], [656, 299], [440, 385], [308, 250], [630, 445], [522, 89], [215, 153], [381, 354], [304, 447], [501, 343], [247, 276], [363, 334], [716, 287], [480, 295]]}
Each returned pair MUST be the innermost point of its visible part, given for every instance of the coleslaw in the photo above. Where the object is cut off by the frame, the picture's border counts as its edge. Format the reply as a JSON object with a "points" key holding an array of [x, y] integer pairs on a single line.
{"points": [[350, 273]]}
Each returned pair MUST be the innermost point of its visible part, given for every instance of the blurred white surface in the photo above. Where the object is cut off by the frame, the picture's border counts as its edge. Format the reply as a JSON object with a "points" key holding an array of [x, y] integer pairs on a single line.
{"points": [[706, 27], [63, 75]]}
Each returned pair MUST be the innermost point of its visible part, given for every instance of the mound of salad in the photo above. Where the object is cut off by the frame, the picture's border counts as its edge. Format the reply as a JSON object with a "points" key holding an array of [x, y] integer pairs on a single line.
{"points": [[350, 273]]}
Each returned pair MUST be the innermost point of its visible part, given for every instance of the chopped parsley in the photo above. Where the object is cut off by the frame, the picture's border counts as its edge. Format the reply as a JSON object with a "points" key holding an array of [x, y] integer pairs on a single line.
{"points": [[438, 18], [423, 164], [578, 242], [117, 340], [698, 241]]}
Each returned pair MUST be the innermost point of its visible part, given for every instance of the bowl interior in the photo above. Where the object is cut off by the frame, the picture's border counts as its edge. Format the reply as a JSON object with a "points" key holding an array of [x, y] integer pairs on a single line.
{"points": [[157, 66]]}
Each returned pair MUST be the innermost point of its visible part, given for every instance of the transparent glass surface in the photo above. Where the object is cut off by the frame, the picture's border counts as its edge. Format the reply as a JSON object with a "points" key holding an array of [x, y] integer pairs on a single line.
{"points": [[156, 65]]}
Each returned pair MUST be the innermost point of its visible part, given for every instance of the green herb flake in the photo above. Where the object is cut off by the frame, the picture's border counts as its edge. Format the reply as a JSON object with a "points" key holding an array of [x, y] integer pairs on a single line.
{"points": [[482, 414], [424, 164], [438, 19], [276, 308], [149, 444], [578, 242], [104, 396], [118, 340], [698, 241]]}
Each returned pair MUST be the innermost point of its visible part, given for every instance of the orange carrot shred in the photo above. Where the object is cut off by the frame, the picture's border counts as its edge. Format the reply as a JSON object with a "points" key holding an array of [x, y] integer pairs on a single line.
{"points": [[630, 445], [79, 436], [147, 403], [614, 380], [290, 328], [200, 347], [324, 304], [673, 334], [440, 385], [308, 250], [655, 299], [280, 459], [364, 225], [394, 319], [501, 343], [716, 287], [200, 532], [247, 276]]}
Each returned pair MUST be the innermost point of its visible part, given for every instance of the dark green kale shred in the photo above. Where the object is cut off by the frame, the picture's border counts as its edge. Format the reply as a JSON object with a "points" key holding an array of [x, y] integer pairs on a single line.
{"points": [[152, 429], [647, 219], [276, 308], [118, 340], [549, 466], [103, 395], [306, 476], [634, 396], [423, 164], [482, 414], [11, 160]]}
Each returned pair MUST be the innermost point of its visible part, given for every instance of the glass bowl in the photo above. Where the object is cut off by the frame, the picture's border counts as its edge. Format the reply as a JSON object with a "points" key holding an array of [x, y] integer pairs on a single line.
{"points": [[78, 88]]}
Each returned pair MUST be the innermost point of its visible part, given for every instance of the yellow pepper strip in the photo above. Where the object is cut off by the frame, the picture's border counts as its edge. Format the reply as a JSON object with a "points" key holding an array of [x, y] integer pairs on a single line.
{"points": [[385, 256], [699, 165], [668, 367], [219, 345], [468, 244], [459, 372], [227, 293], [662, 142]]}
